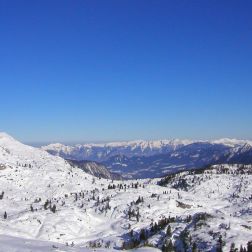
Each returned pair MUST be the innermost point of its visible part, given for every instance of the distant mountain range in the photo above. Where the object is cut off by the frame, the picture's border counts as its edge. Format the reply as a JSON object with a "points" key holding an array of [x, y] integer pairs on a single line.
{"points": [[101, 152], [149, 159]]}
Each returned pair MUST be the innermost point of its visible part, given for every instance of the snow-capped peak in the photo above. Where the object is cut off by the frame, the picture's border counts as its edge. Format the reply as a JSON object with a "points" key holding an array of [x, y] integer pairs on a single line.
{"points": [[232, 142], [5, 137]]}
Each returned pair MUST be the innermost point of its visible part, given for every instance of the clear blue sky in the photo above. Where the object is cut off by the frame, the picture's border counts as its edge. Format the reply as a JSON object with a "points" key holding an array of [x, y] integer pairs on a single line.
{"points": [[112, 70]]}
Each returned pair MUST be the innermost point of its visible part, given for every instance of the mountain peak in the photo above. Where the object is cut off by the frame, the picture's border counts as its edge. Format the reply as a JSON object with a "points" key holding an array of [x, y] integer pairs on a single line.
{"points": [[7, 140], [4, 135], [232, 142]]}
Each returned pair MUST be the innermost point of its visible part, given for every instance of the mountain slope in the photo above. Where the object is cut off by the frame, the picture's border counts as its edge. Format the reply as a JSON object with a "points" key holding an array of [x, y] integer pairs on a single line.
{"points": [[46, 199], [95, 169], [238, 155]]}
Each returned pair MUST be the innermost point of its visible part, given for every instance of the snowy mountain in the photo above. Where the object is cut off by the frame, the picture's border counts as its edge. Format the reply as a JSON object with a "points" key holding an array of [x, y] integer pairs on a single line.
{"points": [[195, 155], [49, 205], [232, 142], [241, 155], [101, 152], [149, 159]]}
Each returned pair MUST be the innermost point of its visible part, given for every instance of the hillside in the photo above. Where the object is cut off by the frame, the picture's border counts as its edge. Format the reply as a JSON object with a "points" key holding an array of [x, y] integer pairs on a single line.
{"points": [[94, 168], [47, 200], [241, 155]]}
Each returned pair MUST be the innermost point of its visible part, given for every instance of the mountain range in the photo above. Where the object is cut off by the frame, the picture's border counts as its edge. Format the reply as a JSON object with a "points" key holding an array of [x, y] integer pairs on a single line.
{"points": [[149, 159]]}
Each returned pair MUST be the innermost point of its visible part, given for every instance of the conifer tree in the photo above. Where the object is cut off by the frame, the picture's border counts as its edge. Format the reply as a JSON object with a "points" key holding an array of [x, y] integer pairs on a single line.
{"points": [[194, 247], [219, 244], [53, 209], [249, 246], [232, 248], [168, 231]]}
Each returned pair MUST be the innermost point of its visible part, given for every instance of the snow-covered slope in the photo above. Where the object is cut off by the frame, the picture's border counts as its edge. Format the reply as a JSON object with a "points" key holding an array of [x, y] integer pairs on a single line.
{"points": [[241, 154], [232, 142], [65, 209]]}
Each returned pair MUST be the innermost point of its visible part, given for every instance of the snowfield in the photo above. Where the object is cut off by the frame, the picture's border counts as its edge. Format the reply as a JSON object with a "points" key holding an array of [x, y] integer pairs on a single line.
{"points": [[48, 205]]}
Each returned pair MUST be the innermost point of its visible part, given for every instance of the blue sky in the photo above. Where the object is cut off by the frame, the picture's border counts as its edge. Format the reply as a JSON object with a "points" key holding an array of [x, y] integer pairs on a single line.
{"points": [[74, 71]]}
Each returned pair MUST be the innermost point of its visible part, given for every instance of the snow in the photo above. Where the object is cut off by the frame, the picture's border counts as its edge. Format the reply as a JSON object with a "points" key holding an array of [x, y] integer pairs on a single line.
{"points": [[99, 152], [28, 174], [232, 142], [143, 144], [138, 148], [15, 244]]}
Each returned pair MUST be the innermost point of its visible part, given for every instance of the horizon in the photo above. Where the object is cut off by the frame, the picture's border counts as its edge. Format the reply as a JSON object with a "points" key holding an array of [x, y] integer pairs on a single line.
{"points": [[40, 144], [83, 142], [91, 71]]}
